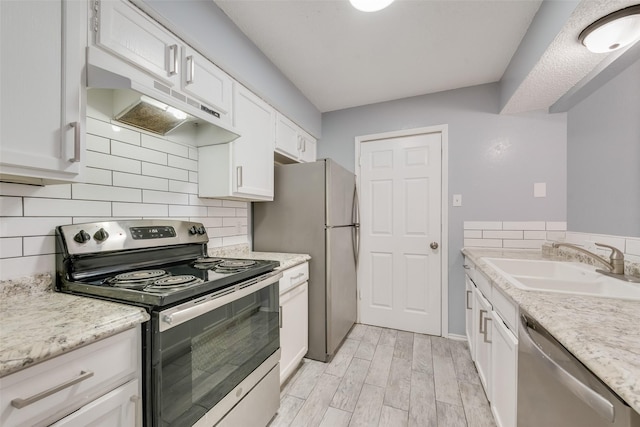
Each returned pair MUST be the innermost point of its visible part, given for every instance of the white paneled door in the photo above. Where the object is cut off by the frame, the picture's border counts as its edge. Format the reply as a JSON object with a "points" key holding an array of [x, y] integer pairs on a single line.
{"points": [[399, 275]]}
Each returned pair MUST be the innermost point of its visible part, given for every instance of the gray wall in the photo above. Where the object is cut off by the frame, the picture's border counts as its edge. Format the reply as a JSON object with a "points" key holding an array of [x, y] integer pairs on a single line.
{"points": [[494, 185], [205, 26], [603, 170]]}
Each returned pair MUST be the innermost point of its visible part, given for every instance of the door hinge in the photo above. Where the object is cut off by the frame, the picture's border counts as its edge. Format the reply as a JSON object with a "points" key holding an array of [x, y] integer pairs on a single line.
{"points": [[96, 21]]}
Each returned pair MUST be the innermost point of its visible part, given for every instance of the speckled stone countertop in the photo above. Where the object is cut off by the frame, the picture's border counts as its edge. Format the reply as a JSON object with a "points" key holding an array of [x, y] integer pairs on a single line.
{"points": [[603, 333], [37, 323], [243, 251]]}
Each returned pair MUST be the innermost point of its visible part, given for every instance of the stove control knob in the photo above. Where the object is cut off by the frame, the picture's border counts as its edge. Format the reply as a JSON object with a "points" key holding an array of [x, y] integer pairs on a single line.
{"points": [[202, 230], [193, 230], [82, 237], [101, 235]]}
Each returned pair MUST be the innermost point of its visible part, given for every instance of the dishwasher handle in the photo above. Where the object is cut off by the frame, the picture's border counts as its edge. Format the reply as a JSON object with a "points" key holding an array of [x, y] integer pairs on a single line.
{"points": [[585, 393]]}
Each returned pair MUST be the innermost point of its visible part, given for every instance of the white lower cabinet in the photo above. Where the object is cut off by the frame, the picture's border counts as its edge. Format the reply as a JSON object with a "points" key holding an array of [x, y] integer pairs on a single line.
{"points": [[491, 321], [97, 385], [294, 319], [504, 373]]}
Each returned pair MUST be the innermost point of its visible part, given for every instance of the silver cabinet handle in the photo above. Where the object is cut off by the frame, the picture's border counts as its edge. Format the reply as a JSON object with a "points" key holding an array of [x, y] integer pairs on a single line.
{"points": [[486, 330], [173, 62], [138, 413], [281, 316], [239, 176], [76, 141], [581, 390], [20, 403], [191, 66], [296, 277], [468, 295], [481, 323], [466, 267]]}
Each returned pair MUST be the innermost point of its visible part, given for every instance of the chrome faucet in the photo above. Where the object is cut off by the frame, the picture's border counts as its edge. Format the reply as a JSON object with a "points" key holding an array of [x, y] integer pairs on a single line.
{"points": [[615, 265]]}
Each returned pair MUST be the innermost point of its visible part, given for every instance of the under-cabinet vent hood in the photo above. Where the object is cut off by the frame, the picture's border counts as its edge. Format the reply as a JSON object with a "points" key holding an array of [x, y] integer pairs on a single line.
{"points": [[158, 109]]}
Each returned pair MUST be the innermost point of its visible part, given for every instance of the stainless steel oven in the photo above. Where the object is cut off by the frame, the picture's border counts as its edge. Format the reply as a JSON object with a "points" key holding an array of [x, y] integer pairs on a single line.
{"points": [[211, 348]]}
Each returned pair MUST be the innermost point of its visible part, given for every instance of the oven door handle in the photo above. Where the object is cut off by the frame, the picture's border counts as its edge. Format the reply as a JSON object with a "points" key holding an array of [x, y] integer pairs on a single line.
{"points": [[183, 313]]}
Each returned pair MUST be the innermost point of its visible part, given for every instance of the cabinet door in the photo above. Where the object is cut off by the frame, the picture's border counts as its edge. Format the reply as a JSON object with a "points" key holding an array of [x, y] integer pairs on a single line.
{"points": [[287, 137], [252, 172], [42, 47], [469, 299], [294, 330], [126, 32], [203, 80], [482, 326], [504, 373], [121, 407], [307, 147]]}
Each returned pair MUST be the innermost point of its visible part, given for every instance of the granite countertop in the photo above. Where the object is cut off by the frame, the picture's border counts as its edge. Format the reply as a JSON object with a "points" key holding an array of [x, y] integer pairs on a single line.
{"points": [[37, 323], [603, 333], [287, 260]]}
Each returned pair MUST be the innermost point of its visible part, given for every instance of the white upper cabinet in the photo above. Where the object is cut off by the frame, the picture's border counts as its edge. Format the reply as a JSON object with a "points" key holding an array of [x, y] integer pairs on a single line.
{"points": [[125, 31], [203, 80], [242, 169], [42, 111], [292, 143]]}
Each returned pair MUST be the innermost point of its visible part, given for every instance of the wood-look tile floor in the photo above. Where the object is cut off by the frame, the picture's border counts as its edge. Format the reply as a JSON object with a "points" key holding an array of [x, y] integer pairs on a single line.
{"points": [[384, 377]]}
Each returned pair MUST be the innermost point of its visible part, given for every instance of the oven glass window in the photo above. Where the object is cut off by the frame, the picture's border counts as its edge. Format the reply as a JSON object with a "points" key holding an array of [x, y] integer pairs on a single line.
{"points": [[197, 363]]}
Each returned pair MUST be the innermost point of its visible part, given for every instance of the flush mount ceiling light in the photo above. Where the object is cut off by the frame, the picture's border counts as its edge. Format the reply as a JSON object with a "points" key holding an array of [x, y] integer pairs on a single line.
{"points": [[614, 31], [370, 5]]}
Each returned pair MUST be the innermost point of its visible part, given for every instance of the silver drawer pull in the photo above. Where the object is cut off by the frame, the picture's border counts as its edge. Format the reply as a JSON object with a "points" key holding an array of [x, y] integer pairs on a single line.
{"points": [[468, 305], [21, 403], [297, 276]]}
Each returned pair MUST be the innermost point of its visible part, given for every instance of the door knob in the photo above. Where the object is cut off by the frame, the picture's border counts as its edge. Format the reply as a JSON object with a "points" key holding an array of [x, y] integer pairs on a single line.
{"points": [[434, 245]]}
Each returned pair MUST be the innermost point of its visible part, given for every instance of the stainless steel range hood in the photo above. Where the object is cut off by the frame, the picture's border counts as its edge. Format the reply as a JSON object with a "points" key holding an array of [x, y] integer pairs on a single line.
{"points": [[157, 108]]}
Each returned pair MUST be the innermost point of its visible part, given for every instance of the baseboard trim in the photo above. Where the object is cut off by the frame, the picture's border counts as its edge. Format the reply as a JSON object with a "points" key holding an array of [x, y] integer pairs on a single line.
{"points": [[457, 337]]}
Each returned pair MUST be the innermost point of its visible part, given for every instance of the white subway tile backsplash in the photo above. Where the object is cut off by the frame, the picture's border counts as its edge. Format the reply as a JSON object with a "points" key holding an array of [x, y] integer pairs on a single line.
{"points": [[122, 179], [39, 245], [111, 131], [98, 143], [576, 238], [198, 201], [209, 221], [224, 231], [523, 225], [234, 222], [523, 244], [473, 234], [193, 153], [183, 187], [483, 225], [556, 226], [107, 193], [140, 210], [165, 146], [161, 171], [152, 196], [235, 240], [193, 177], [633, 247], [83, 219], [62, 207], [138, 153], [483, 243], [13, 268], [556, 236], [234, 204], [115, 163], [182, 163], [492, 234], [10, 247], [32, 226], [97, 176], [58, 191], [10, 206], [537, 235], [187, 211], [214, 211], [242, 212]]}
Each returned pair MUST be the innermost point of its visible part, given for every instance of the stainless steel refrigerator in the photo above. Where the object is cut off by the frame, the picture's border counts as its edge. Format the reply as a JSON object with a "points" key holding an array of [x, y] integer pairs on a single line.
{"points": [[315, 211]]}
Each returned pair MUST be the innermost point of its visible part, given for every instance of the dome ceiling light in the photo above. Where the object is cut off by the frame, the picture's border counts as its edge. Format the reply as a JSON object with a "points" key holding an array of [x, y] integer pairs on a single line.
{"points": [[370, 5], [613, 31]]}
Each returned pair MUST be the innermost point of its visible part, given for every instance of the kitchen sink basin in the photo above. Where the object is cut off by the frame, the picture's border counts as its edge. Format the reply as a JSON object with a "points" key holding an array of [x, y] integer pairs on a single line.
{"points": [[562, 277]]}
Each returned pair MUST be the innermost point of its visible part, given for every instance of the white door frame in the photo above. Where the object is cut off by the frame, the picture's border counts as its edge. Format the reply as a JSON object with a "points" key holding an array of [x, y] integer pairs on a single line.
{"points": [[444, 224]]}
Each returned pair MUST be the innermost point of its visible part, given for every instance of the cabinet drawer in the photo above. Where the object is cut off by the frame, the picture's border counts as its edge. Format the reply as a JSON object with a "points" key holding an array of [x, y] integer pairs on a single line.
{"points": [[69, 381], [294, 276], [507, 310]]}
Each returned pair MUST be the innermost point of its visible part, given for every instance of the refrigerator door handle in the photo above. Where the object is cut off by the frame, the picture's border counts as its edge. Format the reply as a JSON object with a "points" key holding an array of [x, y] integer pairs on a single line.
{"points": [[355, 209], [356, 245]]}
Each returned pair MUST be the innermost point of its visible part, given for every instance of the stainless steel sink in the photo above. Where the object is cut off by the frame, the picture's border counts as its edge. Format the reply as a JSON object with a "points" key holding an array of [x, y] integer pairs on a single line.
{"points": [[562, 277]]}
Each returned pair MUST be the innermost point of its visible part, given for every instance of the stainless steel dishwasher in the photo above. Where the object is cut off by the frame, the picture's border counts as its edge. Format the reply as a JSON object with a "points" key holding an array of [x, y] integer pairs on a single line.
{"points": [[556, 390]]}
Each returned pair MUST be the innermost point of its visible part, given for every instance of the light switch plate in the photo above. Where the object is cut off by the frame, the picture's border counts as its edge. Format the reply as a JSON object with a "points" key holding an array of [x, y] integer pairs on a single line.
{"points": [[457, 200], [540, 189]]}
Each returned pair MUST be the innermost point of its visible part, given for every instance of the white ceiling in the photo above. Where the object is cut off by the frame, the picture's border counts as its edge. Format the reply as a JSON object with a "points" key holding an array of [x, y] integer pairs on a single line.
{"points": [[339, 57]]}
